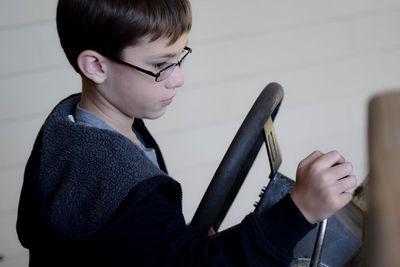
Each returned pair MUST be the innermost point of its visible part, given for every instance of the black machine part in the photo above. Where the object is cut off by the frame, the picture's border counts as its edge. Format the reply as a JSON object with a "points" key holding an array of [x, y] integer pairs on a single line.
{"points": [[237, 161]]}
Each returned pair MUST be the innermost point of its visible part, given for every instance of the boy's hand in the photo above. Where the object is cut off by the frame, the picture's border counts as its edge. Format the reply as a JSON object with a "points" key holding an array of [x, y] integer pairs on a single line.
{"points": [[321, 184]]}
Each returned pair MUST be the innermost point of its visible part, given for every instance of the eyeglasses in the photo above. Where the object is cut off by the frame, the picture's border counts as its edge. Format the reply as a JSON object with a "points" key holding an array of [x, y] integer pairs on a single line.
{"points": [[165, 72]]}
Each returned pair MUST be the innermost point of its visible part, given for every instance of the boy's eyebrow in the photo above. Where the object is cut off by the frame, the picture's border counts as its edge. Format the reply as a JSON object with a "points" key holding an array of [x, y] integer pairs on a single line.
{"points": [[167, 55]]}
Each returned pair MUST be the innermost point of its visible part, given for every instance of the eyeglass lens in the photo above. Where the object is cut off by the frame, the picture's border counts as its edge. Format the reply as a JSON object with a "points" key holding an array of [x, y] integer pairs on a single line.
{"points": [[165, 73]]}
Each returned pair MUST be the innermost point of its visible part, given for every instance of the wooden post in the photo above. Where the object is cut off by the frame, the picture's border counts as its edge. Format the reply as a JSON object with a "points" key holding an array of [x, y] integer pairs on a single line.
{"points": [[382, 232]]}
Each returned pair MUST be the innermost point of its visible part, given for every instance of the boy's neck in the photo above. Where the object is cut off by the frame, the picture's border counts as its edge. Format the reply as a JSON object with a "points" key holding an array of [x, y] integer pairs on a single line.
{"points": [[93, 102]]}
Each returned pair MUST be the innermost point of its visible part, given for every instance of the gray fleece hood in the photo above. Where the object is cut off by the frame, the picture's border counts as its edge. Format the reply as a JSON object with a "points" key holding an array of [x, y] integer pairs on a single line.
{"points": [[83, 173]]}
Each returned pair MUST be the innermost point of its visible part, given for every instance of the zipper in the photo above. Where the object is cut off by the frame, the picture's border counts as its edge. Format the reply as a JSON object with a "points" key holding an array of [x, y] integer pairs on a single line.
{"points": [[181, 198]]}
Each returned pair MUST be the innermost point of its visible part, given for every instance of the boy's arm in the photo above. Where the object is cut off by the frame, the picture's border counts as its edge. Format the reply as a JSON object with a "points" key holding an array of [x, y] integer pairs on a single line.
{"points": [[153, 232]]}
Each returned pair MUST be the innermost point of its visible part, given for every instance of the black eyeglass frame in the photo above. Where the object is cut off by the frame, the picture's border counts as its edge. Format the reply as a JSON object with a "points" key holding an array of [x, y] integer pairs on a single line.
{"points": [[156, 75]]}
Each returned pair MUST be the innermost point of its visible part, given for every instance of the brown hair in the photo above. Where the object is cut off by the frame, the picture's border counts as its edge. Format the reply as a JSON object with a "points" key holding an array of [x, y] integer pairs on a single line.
{"points": [[109, 26]]}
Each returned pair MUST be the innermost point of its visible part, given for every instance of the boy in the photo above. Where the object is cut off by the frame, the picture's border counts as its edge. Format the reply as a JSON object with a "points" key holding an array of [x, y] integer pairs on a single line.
{"points": [[96, 190]]}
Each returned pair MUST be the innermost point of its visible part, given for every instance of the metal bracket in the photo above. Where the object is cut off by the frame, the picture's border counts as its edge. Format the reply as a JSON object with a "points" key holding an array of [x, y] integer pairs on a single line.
{"points": [[274, 153]]}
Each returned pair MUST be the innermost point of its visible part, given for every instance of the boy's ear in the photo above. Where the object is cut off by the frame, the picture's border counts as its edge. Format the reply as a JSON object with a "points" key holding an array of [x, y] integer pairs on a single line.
{"points": [[92, 65]]}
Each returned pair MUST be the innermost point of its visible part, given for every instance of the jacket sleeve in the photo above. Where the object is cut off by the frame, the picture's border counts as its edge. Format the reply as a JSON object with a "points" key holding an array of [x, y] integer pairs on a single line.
{"points": [[153, 232]]}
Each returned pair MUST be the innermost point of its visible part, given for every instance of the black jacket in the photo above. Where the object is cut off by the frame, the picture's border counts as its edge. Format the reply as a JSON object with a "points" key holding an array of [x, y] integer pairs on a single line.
{"points": [[92, 198]]}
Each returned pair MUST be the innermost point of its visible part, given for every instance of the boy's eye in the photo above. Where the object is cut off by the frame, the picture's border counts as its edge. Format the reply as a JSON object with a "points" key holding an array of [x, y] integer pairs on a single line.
{"points": [[161, 65]]}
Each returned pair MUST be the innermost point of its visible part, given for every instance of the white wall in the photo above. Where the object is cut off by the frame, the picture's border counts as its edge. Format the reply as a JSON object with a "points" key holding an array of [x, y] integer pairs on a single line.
{"points": [[330, 56]]}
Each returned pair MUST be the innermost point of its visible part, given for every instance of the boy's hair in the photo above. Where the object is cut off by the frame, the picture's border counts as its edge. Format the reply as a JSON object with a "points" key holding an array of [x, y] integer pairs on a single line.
{"points": [[109, 26]]}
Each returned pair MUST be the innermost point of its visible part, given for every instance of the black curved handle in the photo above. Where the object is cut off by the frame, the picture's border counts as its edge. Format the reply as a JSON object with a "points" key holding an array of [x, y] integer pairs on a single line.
{"points": [[237, 161]]}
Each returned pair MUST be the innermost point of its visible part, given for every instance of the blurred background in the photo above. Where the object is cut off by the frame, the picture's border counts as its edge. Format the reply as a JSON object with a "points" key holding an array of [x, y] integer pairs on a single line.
{"points": [[329, 56]]}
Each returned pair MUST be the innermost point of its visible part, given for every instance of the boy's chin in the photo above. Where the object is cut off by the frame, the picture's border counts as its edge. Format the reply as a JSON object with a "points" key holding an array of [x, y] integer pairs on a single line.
{"points": [[155, 115]]}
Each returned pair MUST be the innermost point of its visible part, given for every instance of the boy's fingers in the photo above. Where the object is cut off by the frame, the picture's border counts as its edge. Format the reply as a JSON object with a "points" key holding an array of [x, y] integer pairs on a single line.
{"points": [[310, 158], [329, 159], [342, 170], [346, 184]]}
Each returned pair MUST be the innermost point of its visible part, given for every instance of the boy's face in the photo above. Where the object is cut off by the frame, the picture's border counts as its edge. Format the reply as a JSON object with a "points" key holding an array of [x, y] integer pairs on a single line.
{"points": [[136, 94]]}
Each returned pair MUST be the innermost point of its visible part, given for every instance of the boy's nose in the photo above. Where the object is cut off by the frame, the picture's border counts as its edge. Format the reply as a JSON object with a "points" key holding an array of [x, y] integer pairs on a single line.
{"points": [[176, 79]]}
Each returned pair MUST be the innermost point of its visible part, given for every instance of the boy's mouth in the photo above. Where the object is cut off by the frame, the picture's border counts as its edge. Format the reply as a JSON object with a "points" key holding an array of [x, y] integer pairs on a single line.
{"points": [[167, 101]]}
